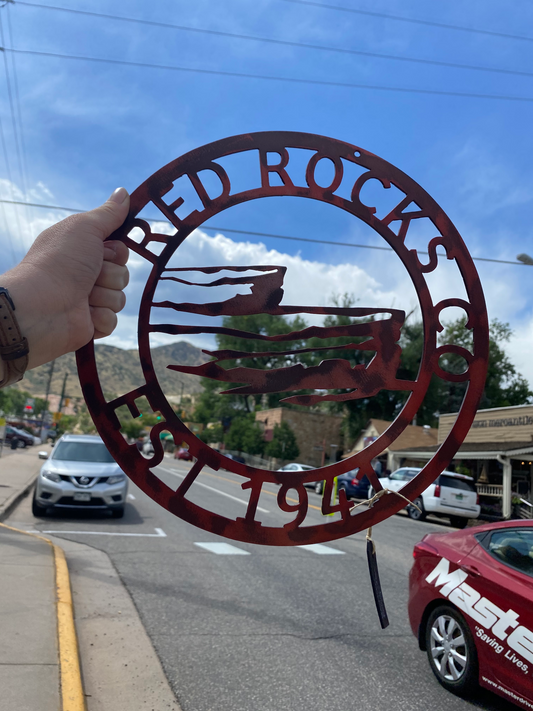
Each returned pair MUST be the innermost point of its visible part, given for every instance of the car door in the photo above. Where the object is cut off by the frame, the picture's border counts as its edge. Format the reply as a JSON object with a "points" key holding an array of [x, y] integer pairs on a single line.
{"points": [[500, 568]]}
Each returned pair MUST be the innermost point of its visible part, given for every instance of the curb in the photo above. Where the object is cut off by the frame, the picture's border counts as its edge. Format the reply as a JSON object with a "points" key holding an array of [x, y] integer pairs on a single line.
{"points": [[16, 499], [72, 694]]}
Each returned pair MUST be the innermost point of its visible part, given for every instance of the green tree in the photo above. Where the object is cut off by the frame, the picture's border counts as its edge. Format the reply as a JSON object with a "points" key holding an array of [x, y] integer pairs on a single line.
{"points": [[211, 405], [245, 435], [132, 428], [283, 444], [12, 401], [212, 434], [504, 386]]}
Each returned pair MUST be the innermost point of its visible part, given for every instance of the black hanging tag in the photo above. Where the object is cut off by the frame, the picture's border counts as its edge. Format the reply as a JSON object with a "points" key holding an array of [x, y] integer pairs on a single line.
{"points": [[376, 585]]}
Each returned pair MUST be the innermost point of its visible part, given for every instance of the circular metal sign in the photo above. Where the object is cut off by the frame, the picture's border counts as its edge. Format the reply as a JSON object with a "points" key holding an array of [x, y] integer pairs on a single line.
{"points": [[270, 153]]}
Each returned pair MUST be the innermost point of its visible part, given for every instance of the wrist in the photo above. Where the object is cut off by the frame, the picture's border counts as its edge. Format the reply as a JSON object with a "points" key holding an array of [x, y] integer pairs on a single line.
{"points": [[33, 324], [13, 344]]}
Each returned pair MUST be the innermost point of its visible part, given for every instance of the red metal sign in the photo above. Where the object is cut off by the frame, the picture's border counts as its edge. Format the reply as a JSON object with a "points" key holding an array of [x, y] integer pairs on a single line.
{"points": [[271, 153]]}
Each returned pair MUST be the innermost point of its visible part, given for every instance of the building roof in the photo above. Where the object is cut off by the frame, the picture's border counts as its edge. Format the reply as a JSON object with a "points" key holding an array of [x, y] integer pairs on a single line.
{"points": [[474, 450], [412, 436], [493, 409]]}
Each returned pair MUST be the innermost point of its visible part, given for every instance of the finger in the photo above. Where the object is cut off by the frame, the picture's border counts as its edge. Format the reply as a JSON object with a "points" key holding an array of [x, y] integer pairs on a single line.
{"points": [[107, 298], [104, 321], [109, 216], [116, 252], [113, 276]]}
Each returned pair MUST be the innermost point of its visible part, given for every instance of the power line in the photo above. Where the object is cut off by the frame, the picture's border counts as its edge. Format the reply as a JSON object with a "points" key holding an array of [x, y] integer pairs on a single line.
{"points": [[264, 77], [12, 110], [262, 234], [8, 169], [413, 20], [287, 43], [17, 98]]}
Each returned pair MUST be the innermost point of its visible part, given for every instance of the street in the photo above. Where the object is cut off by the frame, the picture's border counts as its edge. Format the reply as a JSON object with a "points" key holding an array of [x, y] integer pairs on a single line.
{"points": [[241, 627]]}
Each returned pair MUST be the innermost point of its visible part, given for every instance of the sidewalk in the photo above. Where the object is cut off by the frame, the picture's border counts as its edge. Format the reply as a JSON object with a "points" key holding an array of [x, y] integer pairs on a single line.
{"points": [[29, 665], [18, 471], [41, 628]]}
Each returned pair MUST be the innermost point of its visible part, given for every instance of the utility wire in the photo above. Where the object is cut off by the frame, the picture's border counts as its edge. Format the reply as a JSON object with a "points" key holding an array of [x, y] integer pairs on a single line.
{"points": [[261, 234], [413, 20], [12, 110], [292, 80], [17, 99], [8, 169], [287, 43]]}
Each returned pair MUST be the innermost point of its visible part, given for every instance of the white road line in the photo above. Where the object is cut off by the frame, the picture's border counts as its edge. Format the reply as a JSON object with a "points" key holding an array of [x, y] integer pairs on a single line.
{"points": [[321, 550], [130, 496], [222, 549], [159, 533], [217, 491]]}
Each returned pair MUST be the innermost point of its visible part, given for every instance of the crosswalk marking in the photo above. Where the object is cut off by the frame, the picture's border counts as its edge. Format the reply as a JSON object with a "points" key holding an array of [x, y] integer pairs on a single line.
{"points": [[222, 548], [159, 533], [319, 549]]}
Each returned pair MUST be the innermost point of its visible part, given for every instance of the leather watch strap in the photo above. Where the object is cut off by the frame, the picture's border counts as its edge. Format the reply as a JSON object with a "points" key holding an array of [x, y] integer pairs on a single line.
{"points": [[13, 346]]}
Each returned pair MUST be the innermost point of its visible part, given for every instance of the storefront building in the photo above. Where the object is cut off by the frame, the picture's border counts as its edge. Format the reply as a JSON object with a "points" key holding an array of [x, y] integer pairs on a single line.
{"points": [[497, 452]]}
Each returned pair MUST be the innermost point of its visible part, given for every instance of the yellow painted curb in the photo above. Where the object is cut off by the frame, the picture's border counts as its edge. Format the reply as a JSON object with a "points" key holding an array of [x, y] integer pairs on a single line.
{"points": [[72, 694]]}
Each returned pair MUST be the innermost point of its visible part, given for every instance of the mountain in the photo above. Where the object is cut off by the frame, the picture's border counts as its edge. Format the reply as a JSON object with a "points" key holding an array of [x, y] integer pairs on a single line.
{"points": [[120, 371]]}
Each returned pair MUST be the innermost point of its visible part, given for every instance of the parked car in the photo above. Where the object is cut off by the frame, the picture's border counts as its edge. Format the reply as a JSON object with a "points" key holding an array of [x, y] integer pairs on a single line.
{"points": [[471, 608], [182, 453], [24, 438], [297, 467], [148, 448], [235, 457], [34, 439], [452, 495], [80, 474], [352, 486]]}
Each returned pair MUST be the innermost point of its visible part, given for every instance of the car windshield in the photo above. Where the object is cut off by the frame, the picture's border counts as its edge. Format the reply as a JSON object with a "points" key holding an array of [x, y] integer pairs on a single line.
{"points": [[454, 483], [403, 475], [82, 452]]}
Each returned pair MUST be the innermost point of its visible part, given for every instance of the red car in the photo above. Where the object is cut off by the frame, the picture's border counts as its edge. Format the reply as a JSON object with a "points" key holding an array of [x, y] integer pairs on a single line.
{"points": [[182, 453], [471, 608]]}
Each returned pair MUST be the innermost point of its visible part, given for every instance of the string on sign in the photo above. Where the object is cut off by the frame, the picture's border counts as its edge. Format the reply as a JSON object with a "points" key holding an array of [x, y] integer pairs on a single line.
{"points": [[372, 558]]}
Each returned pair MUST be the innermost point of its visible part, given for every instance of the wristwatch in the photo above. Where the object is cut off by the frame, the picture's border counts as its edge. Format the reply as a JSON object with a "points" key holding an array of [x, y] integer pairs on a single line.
{"points": [[13, 346]]}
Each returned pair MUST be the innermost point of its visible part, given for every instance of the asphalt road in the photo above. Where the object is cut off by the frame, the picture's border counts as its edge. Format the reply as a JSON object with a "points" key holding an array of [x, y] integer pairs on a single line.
{"points": [[253, 628]]}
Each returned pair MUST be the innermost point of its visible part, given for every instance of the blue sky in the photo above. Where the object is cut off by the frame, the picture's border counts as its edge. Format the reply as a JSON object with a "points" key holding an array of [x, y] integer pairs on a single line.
{"points": [[88, 127]]}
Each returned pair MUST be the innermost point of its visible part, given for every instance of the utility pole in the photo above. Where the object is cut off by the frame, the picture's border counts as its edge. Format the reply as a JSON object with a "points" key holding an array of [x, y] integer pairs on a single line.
{"points": [[62, 393], [45, 408]]}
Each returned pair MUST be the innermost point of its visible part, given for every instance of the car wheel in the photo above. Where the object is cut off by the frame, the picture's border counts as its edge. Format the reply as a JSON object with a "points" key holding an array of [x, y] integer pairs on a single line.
{"points": [[21, 444], [458, 521], [414, 513], [36, 509], [451, 651], [318, 487], [117, 513]]}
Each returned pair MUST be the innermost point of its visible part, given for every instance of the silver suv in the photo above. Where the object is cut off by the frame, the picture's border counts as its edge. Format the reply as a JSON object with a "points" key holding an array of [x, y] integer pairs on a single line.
{"points": [[80, 474], [452, 495]]}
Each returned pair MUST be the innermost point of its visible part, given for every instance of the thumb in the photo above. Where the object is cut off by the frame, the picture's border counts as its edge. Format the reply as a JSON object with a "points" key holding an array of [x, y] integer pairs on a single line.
{"points": [[109, 216]]}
